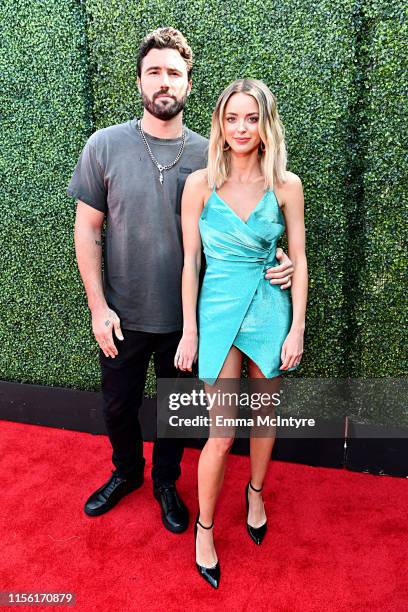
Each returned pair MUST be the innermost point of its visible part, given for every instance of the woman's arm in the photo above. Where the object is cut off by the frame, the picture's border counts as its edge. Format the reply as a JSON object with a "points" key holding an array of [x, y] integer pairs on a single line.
{"points": [[293, 211], [191, 207]]}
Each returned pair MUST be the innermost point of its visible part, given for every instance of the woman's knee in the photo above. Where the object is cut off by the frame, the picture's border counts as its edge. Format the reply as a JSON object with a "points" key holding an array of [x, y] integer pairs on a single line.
{"points": [[220, 446]]}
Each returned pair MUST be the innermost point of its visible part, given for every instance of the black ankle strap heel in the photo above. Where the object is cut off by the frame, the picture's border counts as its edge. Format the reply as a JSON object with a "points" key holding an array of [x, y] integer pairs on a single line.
{"points": [[253, 488], [210, 574], [257, 534]]}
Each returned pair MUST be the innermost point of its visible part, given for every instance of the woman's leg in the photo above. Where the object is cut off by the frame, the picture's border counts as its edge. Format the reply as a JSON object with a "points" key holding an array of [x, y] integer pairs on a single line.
{"points": [[211, 465], [261, 444]]}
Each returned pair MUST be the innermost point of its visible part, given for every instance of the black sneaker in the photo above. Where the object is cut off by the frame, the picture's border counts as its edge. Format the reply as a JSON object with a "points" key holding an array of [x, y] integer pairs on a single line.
{"points": [[173, 511], [109, 494]]}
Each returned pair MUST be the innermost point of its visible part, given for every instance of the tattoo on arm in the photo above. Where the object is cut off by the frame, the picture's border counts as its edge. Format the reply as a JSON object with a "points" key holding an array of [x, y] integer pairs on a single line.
{"points": [[107, 323]]}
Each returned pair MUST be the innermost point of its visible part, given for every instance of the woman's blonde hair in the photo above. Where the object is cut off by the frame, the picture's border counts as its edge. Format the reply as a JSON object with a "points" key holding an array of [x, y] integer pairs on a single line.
{"points": [[271, 130]]}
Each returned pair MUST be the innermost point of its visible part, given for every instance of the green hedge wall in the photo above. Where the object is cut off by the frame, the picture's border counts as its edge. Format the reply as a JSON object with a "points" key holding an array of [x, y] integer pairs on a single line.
{"points": [[46, 111], [335, 69], [380, 308], [379, 313]]}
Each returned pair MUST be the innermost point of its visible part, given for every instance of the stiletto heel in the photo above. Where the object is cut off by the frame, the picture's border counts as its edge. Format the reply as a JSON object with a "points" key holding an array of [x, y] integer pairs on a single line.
{"points": [[210, 574], [257, 534]]}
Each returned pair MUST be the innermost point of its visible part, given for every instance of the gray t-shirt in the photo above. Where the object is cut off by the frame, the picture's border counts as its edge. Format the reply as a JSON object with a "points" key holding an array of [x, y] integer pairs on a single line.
{"points": [[143, 251]]}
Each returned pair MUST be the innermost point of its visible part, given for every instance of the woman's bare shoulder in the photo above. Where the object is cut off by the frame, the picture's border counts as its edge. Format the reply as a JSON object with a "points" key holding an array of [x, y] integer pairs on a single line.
{"points": [[197, 183], [198, 178], [291, 180], [285, 190]]}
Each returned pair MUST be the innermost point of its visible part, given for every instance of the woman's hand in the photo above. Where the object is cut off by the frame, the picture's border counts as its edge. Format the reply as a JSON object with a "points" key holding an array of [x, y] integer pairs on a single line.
{"points": [[186, 353], [292, 349]]}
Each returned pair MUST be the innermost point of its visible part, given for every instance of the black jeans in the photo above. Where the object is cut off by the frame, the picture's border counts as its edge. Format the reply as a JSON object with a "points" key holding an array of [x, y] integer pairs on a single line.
{"points": [[123, 383]]}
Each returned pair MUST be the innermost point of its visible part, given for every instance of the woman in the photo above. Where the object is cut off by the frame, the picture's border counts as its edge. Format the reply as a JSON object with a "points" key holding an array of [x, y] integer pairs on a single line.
{"points": [[238, 207]]}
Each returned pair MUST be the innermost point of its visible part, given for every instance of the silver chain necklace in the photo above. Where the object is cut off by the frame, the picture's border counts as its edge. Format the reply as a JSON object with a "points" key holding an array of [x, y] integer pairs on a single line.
{"points": [[161, 168]]}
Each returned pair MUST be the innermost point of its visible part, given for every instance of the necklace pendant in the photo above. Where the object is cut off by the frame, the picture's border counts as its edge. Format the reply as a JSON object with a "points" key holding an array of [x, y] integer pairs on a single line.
{"points": [[161, 168]]}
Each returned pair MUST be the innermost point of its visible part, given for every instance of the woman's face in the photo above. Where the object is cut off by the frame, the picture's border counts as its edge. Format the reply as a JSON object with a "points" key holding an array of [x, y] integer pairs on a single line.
{"points": [[241, 120]]}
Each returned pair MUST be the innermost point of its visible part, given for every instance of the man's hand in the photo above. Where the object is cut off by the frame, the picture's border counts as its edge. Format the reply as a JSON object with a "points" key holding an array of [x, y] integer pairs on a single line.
{"points": [[282, 274], [104, 320]]}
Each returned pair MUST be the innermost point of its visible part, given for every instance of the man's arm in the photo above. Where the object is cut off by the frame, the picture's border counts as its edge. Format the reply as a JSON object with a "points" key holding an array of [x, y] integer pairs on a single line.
{"points": [[88, 248]]}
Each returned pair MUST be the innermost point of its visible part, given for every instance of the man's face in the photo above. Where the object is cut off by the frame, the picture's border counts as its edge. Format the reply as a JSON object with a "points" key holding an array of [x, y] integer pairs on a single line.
{"points": [[164, 83]]}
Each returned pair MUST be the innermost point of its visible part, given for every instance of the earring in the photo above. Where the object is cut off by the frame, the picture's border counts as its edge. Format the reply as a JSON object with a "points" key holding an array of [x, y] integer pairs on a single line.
{"points": [[226, 148]]}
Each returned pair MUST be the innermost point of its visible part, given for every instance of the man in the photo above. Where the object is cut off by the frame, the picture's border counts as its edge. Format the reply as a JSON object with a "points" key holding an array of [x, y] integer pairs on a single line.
{"points": [[133, 174]]}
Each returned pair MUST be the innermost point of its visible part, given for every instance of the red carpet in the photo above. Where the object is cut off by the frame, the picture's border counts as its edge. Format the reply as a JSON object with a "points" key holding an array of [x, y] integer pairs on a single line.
{"points": [[337, 540]]}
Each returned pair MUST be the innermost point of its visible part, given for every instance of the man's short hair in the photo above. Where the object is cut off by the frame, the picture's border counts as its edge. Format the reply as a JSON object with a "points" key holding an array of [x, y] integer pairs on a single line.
{"points": [[165, 38]]}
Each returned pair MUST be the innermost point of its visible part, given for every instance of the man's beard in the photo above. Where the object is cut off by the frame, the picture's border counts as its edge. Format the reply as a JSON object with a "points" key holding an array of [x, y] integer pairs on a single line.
{"points": [[170, 110]]}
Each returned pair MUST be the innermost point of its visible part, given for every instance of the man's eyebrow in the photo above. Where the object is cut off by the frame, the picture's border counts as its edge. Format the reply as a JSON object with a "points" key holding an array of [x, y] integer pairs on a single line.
{"points": [[160, 67]]}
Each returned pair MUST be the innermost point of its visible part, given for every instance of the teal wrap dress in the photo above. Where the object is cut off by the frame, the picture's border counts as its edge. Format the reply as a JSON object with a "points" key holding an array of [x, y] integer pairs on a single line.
{"points": [[237, 306]]}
